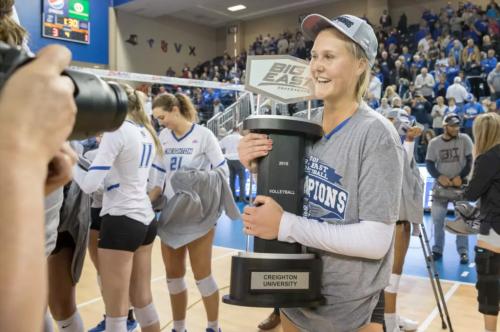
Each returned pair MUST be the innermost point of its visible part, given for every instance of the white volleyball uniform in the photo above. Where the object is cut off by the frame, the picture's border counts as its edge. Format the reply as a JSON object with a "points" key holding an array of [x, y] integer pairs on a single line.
{"points": [[121, 168], [197, 149]]}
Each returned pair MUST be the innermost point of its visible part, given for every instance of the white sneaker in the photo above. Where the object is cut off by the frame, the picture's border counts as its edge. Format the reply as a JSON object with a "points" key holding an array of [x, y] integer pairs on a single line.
{"points": [[406, 324]]}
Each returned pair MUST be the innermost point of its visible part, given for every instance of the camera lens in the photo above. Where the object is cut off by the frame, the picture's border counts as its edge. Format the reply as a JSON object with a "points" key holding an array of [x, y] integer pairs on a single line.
{"points": [[101, 106]]}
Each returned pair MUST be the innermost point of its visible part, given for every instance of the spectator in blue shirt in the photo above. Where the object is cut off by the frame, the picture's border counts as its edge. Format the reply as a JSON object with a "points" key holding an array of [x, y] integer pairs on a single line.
{"points": [[489, 63], [430, 17], [438, 31], [492, 13], [393, 38], [481, 26], [419, 62], [455, 50], [470, 111], [452, 70], [422, 32], [407, 55], [473, 33]]}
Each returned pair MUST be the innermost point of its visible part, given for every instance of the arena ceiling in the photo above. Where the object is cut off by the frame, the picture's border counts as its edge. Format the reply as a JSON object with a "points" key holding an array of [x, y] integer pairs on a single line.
{"points": [[214, 13]]}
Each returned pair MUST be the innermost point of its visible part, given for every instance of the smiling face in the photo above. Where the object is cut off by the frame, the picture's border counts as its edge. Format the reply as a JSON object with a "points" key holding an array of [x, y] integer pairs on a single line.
{"points": [[334, 69]]}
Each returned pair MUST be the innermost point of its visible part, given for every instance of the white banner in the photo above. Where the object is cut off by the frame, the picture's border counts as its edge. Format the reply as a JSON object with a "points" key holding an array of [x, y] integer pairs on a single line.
{"points": [[281, 77], [146, 78]]}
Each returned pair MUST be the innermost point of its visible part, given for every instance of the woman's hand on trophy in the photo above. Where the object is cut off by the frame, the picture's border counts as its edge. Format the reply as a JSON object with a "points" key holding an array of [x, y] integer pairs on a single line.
{"points": [[263, 220], [253, 146]]}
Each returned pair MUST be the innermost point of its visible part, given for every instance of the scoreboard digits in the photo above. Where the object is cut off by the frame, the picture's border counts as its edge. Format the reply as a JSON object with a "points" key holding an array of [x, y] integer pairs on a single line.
{"points": [[66, 28], [71, 22]]}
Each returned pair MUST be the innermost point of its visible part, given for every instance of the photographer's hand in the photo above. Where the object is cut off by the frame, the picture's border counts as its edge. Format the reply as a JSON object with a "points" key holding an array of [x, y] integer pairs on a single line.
{"points": [[60, 168], [37, 112], [37, 108]]}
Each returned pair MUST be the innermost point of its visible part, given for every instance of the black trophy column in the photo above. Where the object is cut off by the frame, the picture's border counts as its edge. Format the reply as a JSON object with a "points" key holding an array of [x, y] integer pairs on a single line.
{"points": [[278, 274]]}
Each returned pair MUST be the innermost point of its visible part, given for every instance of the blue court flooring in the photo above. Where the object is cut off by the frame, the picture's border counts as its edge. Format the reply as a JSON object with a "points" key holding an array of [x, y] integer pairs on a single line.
{"points": [[230, 234]]}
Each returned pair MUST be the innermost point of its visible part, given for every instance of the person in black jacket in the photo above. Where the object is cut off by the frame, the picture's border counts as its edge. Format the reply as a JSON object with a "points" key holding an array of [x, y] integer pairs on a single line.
{"points": [[485, 185]]}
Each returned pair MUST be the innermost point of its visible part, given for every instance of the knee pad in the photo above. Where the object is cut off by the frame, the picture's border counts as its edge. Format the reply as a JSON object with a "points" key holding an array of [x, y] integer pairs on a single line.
{"points": [[488, 268], [393, 286], [207, 286], [147, 315], [176, 286]]}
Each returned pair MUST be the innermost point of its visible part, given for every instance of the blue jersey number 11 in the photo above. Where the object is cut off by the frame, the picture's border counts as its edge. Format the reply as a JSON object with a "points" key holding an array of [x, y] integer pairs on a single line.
{"points": [[147, 148]]}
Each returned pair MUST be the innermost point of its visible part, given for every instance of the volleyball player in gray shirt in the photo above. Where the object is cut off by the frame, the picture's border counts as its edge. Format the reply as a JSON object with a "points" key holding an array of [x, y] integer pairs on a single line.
{"points": [[352, 188]]}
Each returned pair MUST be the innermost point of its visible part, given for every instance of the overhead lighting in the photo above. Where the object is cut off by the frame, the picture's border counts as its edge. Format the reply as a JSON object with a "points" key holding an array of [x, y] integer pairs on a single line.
{"points": [[236, 8]]}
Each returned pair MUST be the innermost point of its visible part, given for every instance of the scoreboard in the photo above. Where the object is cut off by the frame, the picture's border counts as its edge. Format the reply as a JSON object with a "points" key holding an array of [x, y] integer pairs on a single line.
{"points": [[67, 20]]}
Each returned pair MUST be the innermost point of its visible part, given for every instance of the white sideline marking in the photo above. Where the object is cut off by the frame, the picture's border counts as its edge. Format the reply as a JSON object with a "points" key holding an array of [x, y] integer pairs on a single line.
{"points": [[441, 280], [97, 299], [425, 324]]}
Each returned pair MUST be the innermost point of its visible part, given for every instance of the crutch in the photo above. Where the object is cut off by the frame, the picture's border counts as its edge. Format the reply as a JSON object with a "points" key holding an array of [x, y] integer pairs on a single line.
{"points": [[434, 278]]}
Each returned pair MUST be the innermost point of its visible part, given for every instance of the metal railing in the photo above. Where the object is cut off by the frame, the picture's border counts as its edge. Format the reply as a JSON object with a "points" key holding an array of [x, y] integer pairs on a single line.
{"points": [[233, 115], [243, 107]]}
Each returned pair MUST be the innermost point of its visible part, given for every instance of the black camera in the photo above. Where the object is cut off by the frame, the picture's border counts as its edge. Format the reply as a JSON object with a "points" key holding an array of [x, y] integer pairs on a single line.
{"points": [[102, 106]]}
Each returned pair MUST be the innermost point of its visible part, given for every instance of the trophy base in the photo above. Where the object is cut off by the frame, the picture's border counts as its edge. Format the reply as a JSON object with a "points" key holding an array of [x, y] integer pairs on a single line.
{"points": [[275, 280]]}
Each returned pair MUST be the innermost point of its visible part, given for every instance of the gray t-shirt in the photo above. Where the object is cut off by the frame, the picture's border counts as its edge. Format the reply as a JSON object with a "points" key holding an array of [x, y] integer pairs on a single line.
{"points": [[353, 173], [53, 203], [449, 156]]}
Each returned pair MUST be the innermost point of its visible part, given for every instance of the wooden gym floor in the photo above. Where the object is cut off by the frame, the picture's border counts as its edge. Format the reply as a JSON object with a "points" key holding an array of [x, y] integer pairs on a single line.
{"points": [[416, 300]]}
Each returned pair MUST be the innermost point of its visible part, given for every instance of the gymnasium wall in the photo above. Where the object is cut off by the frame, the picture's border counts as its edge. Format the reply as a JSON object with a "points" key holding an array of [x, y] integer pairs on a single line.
{"points": [[178, 37]]}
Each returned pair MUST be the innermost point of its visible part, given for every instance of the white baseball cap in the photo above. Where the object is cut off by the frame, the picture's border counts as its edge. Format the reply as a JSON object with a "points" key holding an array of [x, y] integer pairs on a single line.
{"points": [[357, 29]]}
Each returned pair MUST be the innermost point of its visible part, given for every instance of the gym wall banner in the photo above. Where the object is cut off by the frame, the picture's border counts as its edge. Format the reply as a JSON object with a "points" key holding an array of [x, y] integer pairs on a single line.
{"points": [[67, 20], [280, 77]]}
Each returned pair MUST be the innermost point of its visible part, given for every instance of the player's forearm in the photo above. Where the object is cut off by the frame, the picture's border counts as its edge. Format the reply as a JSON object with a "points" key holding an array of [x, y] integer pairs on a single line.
{"points": [[23, 273], [154, 194]]}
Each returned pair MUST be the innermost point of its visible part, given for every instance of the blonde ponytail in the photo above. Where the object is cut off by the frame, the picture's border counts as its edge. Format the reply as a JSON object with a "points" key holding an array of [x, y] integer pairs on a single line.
{"points": [[137, 114], [187, 108]]}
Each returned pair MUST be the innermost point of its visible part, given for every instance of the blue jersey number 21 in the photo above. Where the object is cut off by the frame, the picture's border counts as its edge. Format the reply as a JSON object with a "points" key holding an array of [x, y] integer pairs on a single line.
{"points": [[175, 163], [147, 148]]}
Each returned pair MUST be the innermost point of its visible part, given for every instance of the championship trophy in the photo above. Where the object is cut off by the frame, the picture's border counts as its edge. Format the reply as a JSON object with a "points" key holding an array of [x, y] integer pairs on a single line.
{"points": [[279, 274]]}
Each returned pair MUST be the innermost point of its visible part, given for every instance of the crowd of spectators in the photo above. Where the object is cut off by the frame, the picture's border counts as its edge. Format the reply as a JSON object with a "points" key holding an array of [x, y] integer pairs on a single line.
{"points": [[230, 69], [445, 63]]}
